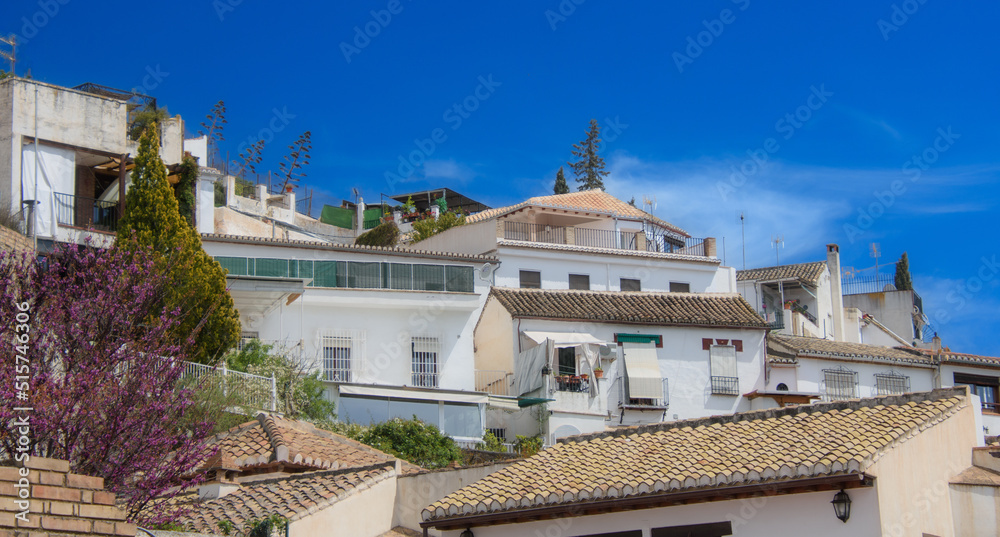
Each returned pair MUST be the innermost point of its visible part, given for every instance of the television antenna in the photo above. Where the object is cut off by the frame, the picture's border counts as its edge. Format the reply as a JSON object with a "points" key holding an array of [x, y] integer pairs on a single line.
{"points": [[875, 250], [648, 204], [12, 55], [777, 242], [743, 230]]}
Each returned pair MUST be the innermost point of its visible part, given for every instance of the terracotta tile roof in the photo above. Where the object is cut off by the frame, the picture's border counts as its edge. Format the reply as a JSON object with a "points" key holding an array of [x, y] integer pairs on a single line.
{"points": [[781, 348], [771, 446], [712, 309], [584, 200], [804, 272], [292, 497], [292, 444], [607, 251], [947, 356], [355, 248], [977, 476]]}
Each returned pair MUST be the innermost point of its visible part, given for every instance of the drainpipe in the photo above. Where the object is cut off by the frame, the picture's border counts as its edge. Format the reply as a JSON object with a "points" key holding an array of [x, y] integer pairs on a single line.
{"points": [[34, 215]]}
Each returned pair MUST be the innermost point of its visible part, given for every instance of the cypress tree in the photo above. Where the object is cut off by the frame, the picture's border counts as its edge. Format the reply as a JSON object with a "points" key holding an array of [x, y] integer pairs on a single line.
{"points": [[561, 186], [589, 169], [198, 282], [903, 281]]}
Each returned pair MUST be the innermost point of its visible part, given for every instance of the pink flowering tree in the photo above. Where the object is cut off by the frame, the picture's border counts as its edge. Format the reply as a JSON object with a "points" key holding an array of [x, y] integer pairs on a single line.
{"points": [[104, 372]]}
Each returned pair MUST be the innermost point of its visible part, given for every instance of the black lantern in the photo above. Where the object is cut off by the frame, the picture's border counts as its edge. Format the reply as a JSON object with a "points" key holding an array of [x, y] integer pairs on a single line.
{"points": [[545, 371], [467, 533], [842, 505]]}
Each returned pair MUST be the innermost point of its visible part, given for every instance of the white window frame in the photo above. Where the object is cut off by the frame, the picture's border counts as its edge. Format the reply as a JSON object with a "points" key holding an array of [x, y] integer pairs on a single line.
{"points": [[425, 361], [888, 382], [723, 369], [344, 362], [846, 377]]}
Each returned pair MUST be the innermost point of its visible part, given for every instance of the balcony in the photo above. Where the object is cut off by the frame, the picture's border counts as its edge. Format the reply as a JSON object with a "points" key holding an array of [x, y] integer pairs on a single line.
{"points": [[643, 241], [725, 385], [78, 211], [572, 383], [775, 319], [495, 382], [620, 389]]}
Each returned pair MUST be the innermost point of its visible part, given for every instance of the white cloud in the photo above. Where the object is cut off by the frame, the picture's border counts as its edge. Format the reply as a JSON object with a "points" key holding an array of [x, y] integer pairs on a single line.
{"points": [[448, 170]]}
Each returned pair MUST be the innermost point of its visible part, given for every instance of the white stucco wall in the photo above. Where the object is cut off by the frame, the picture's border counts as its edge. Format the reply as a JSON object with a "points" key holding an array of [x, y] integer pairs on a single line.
{"points": [[912, 477], [367, 512], [682, 360], [809, 375], [606, 271], [414, 492], [765, 516], [894, 309], [387, 319], [975, 510]]}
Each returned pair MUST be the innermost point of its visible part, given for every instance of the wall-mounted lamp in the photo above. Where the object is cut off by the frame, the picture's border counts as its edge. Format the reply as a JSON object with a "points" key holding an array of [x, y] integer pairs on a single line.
{"points": [[842, 505], [467, 533]]}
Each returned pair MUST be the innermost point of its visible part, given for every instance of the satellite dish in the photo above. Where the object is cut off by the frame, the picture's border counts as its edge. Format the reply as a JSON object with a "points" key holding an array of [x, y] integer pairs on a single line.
{"points": [[485, 272]]}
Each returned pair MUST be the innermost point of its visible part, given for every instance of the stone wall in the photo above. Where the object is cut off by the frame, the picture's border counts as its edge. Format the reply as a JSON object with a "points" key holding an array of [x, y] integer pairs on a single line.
{"points": [[58, 502]]}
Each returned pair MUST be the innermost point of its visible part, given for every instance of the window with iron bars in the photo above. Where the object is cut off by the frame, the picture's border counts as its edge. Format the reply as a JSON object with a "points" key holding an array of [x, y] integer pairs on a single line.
{"points": [[840, 384], [725, 379], [891, 384], [425, 370], [337, 359], [246, 336]]}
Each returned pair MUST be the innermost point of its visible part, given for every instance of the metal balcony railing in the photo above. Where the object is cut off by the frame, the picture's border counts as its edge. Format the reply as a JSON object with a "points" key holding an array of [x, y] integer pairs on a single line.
{"points": [[646, 241], [78, 211], [725, 385]]}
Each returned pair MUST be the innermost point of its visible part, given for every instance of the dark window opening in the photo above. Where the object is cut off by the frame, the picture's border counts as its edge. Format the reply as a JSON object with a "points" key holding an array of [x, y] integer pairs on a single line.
{"points": [[782, 387], [628, 284], [714, 529], [678, 287], [579, 281], [986, 388], [531, 279], [567, 361]]}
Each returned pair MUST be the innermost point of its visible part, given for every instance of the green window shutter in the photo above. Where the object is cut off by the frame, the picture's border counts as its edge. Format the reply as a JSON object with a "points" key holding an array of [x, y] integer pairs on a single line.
{"points": [[400, 276], [639, 338], [459, 279], [272, 268], [428, 277], [325, 274], [237, 266], [362, 275], [305, 270]]}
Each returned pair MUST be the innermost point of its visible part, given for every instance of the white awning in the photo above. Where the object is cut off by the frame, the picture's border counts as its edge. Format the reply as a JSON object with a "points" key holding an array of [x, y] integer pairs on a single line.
{"points": [[564, 339], [423, 395], [503, 403], [643, 370]]}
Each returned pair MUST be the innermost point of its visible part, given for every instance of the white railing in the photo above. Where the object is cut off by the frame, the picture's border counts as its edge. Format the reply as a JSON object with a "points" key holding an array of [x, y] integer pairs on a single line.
{"points": [[508, 447], [254, 391], [495, 382]]}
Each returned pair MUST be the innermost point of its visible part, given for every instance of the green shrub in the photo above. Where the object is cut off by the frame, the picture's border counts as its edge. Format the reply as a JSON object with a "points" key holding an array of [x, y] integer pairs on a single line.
{"points": [[491, 443], [423, 229], [527, 446], [413, 440], [386, 235]]}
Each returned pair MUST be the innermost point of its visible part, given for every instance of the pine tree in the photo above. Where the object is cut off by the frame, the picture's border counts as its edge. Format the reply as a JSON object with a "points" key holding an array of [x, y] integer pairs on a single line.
{"points": [[903, 281], [589, 170], [152, 219], [561, 186]]}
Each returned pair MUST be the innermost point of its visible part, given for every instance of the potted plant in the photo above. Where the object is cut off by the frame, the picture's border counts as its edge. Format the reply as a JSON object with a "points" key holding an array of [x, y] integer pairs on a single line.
{"points": [[598, 372]]}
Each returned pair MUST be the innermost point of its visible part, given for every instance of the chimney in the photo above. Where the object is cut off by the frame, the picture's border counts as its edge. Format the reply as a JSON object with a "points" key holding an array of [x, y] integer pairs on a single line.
{"points": [[936, 344], [710, 248], [836, 293]]}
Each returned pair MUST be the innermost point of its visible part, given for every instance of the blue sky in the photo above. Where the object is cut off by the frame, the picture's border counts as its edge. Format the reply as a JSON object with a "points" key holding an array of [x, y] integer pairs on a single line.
{"points": [[848, 122]]}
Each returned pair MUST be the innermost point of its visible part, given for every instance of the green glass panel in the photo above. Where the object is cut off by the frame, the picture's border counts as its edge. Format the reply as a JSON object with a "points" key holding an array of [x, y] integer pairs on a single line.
{"points": [[637, 338], [325, 274], [459, 279], [361, 275], [428, 277], [236, 266], [400, 276], [271, 268]]}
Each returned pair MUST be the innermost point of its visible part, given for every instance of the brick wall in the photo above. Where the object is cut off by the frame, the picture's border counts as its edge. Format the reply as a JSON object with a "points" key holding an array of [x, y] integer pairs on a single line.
{"points": [[60, 503], [12, 240]]}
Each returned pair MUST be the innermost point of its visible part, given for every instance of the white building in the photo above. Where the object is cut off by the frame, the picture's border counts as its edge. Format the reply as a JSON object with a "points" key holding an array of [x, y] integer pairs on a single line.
{"points": [[602, 359], [69, 150], [897, 465], [391, 330]]}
